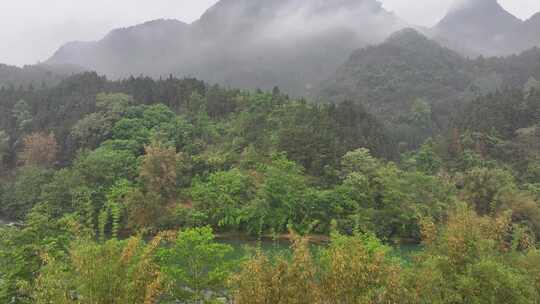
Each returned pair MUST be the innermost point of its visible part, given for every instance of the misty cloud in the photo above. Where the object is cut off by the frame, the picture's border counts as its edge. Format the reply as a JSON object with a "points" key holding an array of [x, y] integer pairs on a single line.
{"points": [[429, 12], [31, 30], [301, 19]]}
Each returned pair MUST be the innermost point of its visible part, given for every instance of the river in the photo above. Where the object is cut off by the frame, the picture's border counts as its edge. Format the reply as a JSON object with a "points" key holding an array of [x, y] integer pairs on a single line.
{"points": [[4, 222]]}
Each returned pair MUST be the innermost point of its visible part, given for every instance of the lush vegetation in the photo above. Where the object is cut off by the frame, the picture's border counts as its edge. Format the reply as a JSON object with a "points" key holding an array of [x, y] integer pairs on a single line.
{"points": [[120, 188]]}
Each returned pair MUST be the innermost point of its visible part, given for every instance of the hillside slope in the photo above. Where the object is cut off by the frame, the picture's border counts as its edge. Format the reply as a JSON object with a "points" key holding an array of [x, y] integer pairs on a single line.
{"points": [[36, 75]]}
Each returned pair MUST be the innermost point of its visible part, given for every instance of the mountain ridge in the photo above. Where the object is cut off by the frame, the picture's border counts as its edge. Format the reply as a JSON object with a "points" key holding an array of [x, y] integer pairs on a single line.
{"points": [[484, 27], [292, 44], [389, 79]]}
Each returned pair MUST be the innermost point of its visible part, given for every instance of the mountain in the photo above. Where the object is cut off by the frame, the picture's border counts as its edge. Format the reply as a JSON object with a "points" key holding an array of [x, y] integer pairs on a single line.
{"points": [[36, 75], [143, 49], [389, 77], [477, 27], [526, 35], [293, 44]]}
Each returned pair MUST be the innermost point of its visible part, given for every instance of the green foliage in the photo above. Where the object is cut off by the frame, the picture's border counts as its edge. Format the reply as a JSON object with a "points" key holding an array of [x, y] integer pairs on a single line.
{"points": [[351, 270], [23, 116], [20, 251], [112, 272], [61, 189], [425, 159], [112, 212], [484, 188], [24, 192], [359, 161], [104, 166], [114, 104], [421, 115], [388, 200], [266, 164], [93, 129], [281, 200], [96, 127], [468, 262], [195, 264], [531, 85], [358, 269], [283, 280], [223, 197], [4, 145]]}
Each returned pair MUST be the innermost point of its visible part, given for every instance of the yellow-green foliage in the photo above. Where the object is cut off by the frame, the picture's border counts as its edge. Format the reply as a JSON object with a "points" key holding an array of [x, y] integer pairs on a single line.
{"points": [[474, 259], [351, 270], [263, 281], [357, 270], [115, 272]]}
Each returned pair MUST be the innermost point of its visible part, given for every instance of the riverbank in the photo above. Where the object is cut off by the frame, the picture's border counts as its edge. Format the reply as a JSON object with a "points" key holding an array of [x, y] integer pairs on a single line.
{"points": [[284, 238]]}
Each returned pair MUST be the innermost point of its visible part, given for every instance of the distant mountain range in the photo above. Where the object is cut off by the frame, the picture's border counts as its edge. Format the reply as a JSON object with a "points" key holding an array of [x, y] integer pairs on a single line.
{"points": [[292, 44], [389, 78]]}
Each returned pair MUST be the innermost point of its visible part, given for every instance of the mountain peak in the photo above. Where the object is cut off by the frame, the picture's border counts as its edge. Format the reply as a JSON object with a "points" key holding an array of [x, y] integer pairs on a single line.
{"points": [[468, 4], [476, 25], [485, 13], [406, 36], [535, 18], [405, 61]]}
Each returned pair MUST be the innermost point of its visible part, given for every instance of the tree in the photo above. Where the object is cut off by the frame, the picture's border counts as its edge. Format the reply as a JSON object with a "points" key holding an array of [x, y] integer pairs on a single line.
{"points": [[20, 250], [354, 269], [195, 265], [280, 281], [24, 192], [4, 146], [357, 269], [92, 130], [421, 115], [472, 260], [426, 159], [223, 197], [103, 167], [387, 200], [96, 127], [23, 116], [113, 104], [144, 210], [359, 160], [108, 273], [531, 85], [39, 149], [281, 199], [484, 188], [158, 171]]}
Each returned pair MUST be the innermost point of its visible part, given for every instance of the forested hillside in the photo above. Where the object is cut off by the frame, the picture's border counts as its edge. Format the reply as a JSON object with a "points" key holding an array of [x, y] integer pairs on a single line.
{"points": [[409, 75], [36, 75], [388, 78], [408, 173], [92, 168]]}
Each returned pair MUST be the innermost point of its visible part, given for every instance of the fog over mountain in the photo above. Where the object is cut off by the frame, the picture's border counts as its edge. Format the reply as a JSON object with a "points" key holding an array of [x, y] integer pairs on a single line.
{"points": [[292, 44], [484, 27]]}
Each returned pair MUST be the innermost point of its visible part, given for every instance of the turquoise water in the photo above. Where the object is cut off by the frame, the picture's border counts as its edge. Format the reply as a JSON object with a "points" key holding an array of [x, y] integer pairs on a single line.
{"points": [[244, 247]]}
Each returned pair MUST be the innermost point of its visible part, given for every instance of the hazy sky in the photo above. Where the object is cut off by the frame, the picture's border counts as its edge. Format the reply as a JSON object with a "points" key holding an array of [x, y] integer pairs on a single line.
{"points": [[31, 30]]}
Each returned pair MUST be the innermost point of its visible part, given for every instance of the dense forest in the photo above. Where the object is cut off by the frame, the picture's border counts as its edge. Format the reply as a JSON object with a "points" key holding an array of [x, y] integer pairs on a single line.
{"points": [[122, 192], [273, 152]]}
